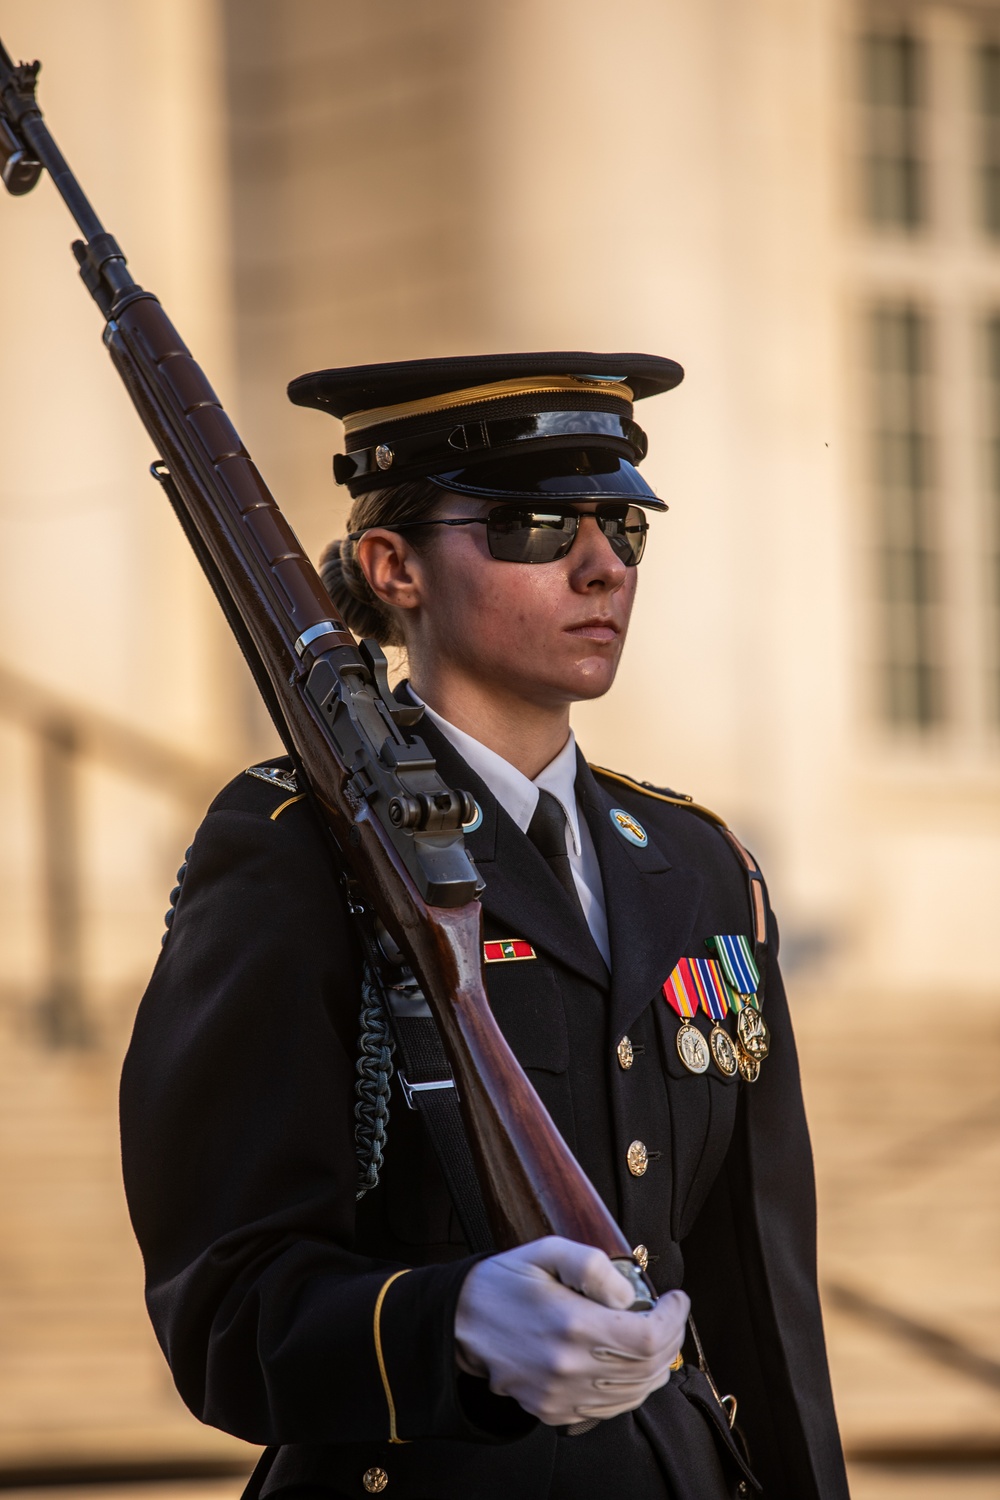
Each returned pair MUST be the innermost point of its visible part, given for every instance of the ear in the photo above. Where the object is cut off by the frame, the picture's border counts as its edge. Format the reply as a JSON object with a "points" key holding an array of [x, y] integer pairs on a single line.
{"points": [[391, 566]]}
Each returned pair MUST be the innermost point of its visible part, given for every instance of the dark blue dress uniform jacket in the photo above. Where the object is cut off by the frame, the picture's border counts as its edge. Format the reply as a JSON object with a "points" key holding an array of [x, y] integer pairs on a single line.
{"points": [[262, 1271]]}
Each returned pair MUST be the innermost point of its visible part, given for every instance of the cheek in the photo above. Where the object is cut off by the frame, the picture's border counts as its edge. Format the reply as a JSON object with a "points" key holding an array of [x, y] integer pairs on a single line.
{"points": [[482, 606], [512, 606]]}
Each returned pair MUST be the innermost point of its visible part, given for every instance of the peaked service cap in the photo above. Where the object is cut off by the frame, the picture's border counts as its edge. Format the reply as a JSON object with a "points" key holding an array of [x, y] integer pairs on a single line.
{"points": [[533, 427]]}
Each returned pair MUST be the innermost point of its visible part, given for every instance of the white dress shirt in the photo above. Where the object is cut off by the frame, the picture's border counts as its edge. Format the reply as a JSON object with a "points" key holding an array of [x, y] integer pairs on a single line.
{"points": [[519, 797]]}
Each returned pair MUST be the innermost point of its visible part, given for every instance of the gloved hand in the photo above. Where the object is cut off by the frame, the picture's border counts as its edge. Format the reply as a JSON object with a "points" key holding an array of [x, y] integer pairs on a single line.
{"points": [[522, 1323]]}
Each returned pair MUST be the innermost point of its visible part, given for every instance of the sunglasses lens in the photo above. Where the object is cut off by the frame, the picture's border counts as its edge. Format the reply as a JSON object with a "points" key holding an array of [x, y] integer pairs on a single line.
{"points": [[515, 534], [625, 527]]}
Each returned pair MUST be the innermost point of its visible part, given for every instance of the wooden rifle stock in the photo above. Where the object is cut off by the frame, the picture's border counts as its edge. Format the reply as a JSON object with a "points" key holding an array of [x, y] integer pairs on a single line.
{"points": [[396, 826]]}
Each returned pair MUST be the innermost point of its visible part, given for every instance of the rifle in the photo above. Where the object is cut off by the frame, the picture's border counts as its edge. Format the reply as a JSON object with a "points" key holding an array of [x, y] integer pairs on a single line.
{"points": [[396, 826]]}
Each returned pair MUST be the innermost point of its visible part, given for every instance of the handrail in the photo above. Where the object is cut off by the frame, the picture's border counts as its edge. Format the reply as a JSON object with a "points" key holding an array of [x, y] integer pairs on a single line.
{"points": [[121, 746], [65, 732]]}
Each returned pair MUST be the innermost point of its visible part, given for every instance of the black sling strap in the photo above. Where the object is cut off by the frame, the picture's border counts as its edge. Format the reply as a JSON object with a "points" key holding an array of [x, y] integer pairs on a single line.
{"points": [[428, 1087]]}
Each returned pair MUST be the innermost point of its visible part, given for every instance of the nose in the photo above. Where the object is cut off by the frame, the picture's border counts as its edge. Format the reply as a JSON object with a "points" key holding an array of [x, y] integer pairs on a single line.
{"points": [[595, 565]]}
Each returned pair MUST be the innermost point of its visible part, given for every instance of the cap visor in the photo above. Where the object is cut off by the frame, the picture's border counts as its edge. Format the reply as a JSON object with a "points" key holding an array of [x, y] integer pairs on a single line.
{"points": [[528, 480]]}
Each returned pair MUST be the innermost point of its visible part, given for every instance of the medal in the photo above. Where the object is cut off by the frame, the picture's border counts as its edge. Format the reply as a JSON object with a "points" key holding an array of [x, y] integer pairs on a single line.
{"points": [[692, 1049], [724, 1052], [681, 992], [749, 1066], [736, 961], [752, 1032], [714, 998]]}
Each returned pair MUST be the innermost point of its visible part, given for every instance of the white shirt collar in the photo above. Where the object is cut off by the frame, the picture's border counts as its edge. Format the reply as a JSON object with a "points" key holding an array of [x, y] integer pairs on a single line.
{"points": [[517, 795]]}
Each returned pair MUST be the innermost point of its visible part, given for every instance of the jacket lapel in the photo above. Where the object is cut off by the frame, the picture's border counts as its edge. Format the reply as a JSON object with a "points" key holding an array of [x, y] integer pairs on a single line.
{"points": [[522, 894], [651, 906]]}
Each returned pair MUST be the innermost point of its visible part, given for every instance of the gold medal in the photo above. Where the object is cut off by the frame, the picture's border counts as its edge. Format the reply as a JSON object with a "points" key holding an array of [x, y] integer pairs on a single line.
{"points": [[749, 1066], [753, 1033], [723, 1051], [692, 1049]]}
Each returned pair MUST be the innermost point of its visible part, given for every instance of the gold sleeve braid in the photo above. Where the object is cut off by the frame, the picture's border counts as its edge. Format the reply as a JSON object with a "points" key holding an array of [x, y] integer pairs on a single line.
{"points": [[377, 1332]]}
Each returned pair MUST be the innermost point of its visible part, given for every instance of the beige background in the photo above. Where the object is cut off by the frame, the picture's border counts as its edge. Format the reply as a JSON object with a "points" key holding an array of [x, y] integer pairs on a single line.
{"points": [[325, 182]]}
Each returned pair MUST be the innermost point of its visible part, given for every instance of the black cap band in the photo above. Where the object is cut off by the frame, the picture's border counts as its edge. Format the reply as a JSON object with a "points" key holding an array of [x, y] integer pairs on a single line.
{"points": [[396, 459]]}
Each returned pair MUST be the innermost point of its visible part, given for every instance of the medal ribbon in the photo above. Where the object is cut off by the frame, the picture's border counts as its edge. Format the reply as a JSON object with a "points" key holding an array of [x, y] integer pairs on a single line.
{"points": [[711, 988], [681, 990], [739, 968]]}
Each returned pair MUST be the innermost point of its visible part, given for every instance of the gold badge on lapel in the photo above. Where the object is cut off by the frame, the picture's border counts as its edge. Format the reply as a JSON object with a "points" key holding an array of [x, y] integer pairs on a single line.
{"points": [[630, 828]]}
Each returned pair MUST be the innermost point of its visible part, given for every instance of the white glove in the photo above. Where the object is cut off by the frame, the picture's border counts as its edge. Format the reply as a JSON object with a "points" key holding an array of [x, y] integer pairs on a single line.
{"points": [[522, 1323]]}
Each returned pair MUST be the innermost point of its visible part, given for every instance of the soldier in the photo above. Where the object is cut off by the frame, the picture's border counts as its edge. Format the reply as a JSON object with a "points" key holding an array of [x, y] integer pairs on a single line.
{"points": [[498, 521]]}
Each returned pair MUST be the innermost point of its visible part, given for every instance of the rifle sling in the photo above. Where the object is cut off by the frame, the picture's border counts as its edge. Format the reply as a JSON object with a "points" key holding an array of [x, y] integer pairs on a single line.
{"points": [[421, 1061]]}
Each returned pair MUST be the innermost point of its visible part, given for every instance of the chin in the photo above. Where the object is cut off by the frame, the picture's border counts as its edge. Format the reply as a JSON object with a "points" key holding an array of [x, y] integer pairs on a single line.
{"points": [[587, 685]]}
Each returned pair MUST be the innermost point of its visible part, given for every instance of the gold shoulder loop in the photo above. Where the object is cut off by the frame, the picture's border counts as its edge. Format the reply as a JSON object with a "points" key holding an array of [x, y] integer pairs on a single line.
{"points": [[289, 801], [649, 791], [377, 1332]]}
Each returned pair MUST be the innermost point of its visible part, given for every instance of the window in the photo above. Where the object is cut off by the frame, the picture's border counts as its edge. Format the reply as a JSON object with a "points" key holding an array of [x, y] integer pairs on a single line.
{"points": [[992, 528], [988, 70], [905, 520], [892, 87]]}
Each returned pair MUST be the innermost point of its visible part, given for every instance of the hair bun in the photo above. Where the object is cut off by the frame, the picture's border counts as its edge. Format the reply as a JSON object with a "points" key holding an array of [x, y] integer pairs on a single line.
{"points": [[352, 598]]}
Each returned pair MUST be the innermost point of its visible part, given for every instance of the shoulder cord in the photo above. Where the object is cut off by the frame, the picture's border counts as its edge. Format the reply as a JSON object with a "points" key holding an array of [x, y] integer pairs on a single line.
{"points": [[374, 1070], [374, 1067], [402, 1021]]}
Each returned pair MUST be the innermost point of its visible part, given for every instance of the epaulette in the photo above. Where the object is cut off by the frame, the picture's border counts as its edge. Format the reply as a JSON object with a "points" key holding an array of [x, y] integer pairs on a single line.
{"points": [[751, 870], [661, 794]]}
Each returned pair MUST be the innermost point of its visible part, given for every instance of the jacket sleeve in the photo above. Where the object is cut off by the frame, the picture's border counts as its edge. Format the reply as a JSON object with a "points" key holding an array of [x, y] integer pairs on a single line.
{"points": [[237, 1130], [750, 1268]]}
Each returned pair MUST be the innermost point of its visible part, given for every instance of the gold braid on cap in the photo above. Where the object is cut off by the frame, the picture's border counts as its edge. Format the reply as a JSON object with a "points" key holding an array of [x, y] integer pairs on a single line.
{"points": [[533, 385]]}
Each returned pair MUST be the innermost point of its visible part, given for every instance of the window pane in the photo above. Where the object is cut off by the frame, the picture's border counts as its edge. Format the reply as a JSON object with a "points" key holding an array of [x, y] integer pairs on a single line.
{"points": [[903, 471], [988, 68], [892, 93], [993, 513]]}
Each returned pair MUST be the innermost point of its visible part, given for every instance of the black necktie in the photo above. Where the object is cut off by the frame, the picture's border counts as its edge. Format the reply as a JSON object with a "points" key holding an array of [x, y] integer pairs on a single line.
{"points": [[547, 831]]}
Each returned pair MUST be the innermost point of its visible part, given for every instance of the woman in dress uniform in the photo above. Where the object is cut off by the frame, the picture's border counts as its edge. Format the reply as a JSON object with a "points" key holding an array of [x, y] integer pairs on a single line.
{"points": [[498, 521]]}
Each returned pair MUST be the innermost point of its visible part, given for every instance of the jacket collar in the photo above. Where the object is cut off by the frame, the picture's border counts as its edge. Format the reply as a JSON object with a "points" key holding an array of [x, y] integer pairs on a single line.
{"points": [[522, 894]]}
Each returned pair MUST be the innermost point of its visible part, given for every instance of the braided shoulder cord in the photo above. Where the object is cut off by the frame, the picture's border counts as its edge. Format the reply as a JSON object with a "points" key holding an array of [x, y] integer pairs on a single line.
{"points": [[374, 1070]]}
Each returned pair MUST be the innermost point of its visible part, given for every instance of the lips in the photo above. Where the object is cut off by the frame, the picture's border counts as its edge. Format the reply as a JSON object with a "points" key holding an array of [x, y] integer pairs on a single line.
{"points": [[595, 630]]}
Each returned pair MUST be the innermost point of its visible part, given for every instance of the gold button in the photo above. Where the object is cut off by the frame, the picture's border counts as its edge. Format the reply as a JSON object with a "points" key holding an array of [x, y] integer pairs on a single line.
{"points": [[626, 1056], [374, 1480], [637, 1158], [641, 1257]]}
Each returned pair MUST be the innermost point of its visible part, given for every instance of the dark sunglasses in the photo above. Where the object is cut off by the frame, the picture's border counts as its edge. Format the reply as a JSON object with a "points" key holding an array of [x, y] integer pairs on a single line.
{"points": [[522, 534]]}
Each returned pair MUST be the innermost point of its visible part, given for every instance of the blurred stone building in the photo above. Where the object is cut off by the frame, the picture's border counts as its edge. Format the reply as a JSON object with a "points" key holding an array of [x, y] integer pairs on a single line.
{"points": [[797, 199]]}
